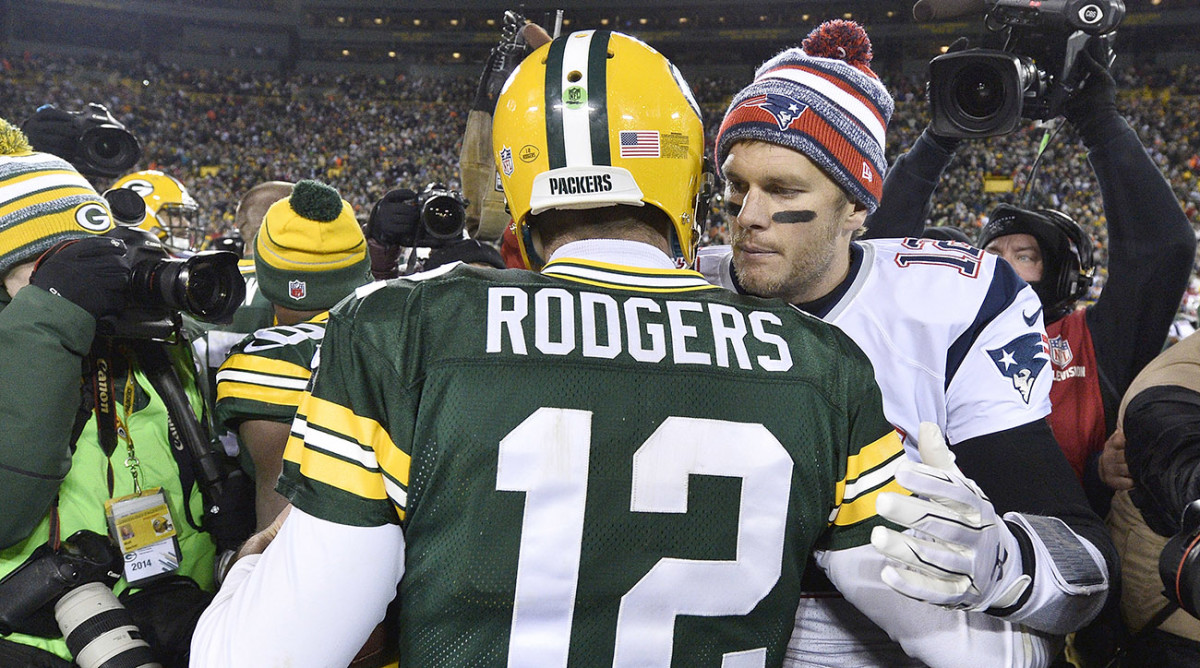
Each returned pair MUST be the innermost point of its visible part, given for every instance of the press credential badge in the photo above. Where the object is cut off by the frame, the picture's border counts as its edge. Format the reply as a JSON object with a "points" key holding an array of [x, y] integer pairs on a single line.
{"points": [[142, 526]]}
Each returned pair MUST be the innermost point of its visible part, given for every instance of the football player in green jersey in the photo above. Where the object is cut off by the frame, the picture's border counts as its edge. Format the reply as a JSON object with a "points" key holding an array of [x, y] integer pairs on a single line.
{"points": [[610, 462], [310, 253]]}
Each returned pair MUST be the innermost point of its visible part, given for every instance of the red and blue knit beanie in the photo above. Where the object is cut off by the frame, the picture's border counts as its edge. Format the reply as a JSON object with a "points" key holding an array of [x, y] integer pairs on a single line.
{"points": [[824, 101]]}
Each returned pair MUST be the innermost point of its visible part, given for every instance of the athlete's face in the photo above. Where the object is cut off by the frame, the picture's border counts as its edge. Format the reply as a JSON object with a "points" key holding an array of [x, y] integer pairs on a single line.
{"points": [[791, 237], [1022, 252]]}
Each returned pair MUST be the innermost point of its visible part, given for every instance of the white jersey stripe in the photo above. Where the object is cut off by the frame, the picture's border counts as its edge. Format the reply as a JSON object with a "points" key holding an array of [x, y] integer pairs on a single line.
{"points": [[335, 445], [252, 378]]}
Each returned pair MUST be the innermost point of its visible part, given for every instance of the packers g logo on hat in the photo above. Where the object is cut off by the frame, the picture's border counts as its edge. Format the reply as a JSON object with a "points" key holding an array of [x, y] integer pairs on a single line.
{"points": [[601, 119], [93, 217], [46, 201]]}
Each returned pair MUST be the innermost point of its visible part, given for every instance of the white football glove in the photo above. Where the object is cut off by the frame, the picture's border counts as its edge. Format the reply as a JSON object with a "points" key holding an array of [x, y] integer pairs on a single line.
{"points": [[956, 552]]}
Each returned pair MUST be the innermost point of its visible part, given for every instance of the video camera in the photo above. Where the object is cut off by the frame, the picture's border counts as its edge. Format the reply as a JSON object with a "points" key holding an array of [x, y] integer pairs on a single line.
{"points": [[90, 139], [208, 285], [985, 92], [431, 219]]}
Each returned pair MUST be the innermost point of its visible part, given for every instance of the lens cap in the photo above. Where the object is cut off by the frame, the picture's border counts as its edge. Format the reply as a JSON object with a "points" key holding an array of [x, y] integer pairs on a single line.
{"points": [[128, 207]]}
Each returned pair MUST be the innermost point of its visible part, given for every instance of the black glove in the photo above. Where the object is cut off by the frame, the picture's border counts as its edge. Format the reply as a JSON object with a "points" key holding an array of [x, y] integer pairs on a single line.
{"points": [[166, 612], [502, 60], [1091, 107], [92, 273], [395, 219], [52, 130]]}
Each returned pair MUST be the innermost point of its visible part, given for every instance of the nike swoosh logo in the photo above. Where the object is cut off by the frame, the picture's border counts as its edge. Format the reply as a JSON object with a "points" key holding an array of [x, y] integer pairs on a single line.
{"points": [[1031, 319]]}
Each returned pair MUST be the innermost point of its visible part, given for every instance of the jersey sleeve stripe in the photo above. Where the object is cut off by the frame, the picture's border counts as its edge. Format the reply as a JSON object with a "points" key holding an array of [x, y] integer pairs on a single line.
{"points": [[297, 382], [863, 507], [266, 395], [872, 456], [332, 429], [335, 446], [265, 365], [335, 472], [872, 479], [868, 472], [1002, 292]]}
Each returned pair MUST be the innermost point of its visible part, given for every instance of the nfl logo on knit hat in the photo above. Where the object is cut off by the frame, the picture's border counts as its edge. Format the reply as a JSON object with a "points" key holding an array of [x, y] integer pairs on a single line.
{"points": [[310, 251], [297, 289]]}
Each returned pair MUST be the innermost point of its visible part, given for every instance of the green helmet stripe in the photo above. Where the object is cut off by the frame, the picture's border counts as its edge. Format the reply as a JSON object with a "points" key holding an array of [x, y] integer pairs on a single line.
{"points": [[598, 96], [555, 146]]}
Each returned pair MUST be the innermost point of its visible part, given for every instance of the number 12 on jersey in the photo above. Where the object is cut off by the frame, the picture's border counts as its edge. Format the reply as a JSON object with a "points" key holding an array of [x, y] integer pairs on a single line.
{"points": [[547, 457]]}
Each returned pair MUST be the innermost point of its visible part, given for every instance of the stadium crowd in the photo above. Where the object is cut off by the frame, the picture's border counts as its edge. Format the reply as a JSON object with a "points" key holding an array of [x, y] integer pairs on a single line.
{"points": [[338, 142], [221, 132]]}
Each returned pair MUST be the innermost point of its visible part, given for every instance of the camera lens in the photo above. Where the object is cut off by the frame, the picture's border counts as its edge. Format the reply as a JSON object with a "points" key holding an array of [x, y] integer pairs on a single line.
{"points": [[979, 90], [109, 150], [99, 631], [207, 285], [443, 216]]}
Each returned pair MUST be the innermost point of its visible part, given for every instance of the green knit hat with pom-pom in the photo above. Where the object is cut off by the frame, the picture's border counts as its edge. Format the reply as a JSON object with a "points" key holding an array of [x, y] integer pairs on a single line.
{"points": [[43, 201], [310, 251]]}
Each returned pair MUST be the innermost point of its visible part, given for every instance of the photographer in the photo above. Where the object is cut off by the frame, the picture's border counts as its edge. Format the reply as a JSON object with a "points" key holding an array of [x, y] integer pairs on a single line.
{"points": [[65, 473], [1150, 250], [402, 218], [1160, 426]]}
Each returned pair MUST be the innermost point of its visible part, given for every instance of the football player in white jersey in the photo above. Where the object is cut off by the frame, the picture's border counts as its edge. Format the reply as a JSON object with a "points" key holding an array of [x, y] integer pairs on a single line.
{"points": [[956, 339]]}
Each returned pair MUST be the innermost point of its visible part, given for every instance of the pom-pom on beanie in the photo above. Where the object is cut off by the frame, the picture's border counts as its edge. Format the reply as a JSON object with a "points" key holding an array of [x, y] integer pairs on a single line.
{"points": [[824, 101], [43, 200], [310, 251]]}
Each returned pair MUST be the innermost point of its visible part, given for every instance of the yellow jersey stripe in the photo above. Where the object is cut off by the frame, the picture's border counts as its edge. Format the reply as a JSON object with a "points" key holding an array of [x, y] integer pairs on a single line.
{"points": [[340, 420], [244, 362], [260, 393], [632, 288], [863, 507], [347, 476]]}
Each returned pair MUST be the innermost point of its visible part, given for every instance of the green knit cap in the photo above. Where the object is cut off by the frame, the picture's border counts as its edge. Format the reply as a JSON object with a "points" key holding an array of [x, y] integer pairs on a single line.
{"points": [[310, 251]]}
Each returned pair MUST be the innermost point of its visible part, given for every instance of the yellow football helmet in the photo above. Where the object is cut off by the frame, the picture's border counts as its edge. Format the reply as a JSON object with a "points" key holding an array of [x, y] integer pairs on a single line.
{"points": [[594, 119], [171, 213]]}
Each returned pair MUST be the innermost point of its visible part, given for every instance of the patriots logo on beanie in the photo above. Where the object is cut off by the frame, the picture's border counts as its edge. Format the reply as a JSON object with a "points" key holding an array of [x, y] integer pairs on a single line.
{"points": [[822, 101], [310, 251], [785, 109]]}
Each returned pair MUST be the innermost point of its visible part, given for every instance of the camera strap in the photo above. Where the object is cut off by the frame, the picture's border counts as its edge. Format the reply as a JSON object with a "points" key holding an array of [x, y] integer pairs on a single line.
{"points": [[104, 393]]}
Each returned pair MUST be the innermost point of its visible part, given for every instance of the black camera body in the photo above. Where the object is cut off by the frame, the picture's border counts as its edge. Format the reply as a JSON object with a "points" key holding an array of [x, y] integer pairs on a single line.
{"points": [[28, 593], [207, 286], [986, 92], [431, 219], [90, 139]]}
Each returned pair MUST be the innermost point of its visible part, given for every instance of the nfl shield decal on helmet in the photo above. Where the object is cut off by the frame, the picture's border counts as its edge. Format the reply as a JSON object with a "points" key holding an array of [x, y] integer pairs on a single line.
{"points": [[506, 161], [297, 289], [1021, 360], [1060, 352]]}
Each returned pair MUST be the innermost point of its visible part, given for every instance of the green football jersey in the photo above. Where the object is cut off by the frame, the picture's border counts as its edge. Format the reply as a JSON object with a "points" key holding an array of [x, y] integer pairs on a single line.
{"points": [[266, 373], [594, 466]]}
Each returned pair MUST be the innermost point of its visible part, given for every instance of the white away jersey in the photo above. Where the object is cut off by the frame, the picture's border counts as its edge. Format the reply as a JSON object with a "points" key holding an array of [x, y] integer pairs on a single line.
{"points": [[955, 337]]}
